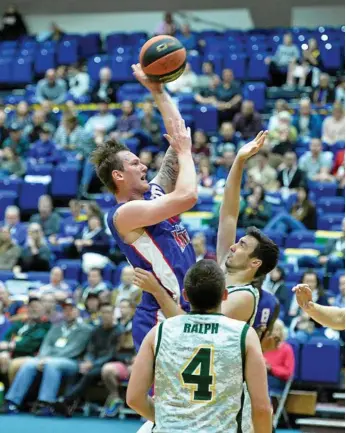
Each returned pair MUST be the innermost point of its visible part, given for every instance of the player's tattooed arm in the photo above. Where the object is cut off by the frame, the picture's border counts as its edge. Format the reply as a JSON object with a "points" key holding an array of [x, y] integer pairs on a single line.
{"points": [[168, 173]]}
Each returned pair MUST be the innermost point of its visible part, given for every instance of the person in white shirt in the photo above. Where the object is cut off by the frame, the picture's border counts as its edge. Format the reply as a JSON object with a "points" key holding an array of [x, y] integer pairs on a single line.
{"points": [[317, 164], [103, 119], [79, 81], [186, 83], [333, 127]]}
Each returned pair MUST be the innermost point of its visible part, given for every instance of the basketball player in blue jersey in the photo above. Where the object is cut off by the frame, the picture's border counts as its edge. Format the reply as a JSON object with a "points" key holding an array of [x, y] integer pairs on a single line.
{"points": [[144, 222], [267, 312]]}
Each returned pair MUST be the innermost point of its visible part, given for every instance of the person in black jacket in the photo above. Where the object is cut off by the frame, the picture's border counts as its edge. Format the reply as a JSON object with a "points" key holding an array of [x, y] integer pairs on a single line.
{"points": [[104, 90], [13, 25], [102, 348], [291, 176], [93, 238]]}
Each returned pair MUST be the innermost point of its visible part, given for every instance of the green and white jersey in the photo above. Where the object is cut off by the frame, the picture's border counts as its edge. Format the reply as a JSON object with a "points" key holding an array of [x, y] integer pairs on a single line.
{"points": [[199, 374], [255, 293]]}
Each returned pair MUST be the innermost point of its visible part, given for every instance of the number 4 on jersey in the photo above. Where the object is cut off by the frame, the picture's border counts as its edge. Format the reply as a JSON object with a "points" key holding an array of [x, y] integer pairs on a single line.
{"points": [[198, 374]]}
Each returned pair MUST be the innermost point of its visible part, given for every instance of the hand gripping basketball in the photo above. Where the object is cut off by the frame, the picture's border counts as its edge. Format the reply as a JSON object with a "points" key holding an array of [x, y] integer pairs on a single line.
{"points": [[180, 139]]}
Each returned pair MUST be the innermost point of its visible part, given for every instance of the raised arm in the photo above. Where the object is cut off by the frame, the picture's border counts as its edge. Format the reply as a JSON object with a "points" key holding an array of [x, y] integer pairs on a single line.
{"points": [[142, 213], [229, 210], [331, 317], [169, 170]]}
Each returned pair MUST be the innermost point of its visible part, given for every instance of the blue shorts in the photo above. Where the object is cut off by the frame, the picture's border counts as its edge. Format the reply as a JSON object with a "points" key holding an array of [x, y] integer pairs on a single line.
{"points": [[143, 322]]}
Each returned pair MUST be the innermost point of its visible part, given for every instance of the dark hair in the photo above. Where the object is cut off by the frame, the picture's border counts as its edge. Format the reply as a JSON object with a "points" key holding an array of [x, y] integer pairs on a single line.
{"points": [[106, 304], [267, 251], [105, 158], [204, 284], [319, 287], [263, 192]]}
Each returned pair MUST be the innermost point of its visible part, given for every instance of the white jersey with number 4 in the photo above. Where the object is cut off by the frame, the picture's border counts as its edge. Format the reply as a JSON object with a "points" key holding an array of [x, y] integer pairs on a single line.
{"points": [[199, 374]]}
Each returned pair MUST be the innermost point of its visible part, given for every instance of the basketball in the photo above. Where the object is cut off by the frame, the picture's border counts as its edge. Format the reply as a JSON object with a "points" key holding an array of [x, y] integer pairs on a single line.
{"points": [[163, 58]]}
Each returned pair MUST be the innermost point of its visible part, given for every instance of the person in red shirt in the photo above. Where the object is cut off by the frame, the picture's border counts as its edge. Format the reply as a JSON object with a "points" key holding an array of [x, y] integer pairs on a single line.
{"points": [[280, 361]]}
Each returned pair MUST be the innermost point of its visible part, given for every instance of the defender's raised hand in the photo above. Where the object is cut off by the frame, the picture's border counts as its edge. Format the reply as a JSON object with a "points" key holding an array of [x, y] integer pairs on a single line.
{"points": [[251, 148], [303, 295]]}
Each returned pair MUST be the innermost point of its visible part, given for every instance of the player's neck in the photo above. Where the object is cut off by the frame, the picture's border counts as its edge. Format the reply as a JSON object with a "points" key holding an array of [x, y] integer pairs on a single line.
{"points": [[213, 311], [125, 196], [238, 278]]}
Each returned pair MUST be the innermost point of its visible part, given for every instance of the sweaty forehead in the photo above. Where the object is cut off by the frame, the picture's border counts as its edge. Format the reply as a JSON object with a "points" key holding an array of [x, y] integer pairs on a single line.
{"points": [[127, 156], [250, 242]]}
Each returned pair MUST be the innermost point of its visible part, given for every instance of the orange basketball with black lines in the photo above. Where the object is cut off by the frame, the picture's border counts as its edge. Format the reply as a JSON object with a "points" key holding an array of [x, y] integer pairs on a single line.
{"points": [[163, 58]]}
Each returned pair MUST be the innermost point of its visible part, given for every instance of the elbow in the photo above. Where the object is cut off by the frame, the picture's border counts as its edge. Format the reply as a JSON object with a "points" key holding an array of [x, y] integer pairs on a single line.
{"points": [[190, 198], [262, 409], [131, 400]]}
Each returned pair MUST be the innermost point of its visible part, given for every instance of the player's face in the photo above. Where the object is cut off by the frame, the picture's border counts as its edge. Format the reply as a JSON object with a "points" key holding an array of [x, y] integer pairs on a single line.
{"points": [[239, 254], [134, 173]]}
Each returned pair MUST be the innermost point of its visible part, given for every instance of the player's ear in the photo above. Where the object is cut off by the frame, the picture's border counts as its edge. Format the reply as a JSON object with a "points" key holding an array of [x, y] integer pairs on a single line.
{"points": [[117, 175], [225, 295], [256, 263], [185, 296]]}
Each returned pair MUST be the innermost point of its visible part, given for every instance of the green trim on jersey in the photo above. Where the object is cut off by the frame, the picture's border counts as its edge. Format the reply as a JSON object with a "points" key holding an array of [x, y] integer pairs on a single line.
{"points": [[159, 337], [243, 357], [244, 289]]}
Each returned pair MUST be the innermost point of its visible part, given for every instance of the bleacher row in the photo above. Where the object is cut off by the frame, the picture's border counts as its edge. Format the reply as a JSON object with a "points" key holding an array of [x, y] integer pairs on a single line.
{"points": [[244, 52]]}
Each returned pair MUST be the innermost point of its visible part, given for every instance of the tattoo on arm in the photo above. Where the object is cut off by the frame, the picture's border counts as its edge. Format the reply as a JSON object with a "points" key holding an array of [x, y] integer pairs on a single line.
{"points": [[167, 176]]}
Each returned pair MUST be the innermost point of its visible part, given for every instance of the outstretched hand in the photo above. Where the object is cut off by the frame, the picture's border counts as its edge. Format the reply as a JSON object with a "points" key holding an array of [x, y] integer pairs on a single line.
{"points": [[303, 295], [251, 148], [152, 86], [146, 281]]}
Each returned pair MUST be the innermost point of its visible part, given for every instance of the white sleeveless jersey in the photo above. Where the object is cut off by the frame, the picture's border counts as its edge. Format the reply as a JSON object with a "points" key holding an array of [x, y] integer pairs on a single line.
{"points": [[199, 374]]}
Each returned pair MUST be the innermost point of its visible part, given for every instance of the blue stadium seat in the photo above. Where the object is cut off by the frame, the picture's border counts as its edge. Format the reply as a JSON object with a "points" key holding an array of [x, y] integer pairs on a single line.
{"points": [[11, 185], [115, 40], [216, 60], [327, 369], [72, 268], [7, 198], [323, 189], [121, 68], [296, 349], [65, 181], [313, 246], [29, 195], [257, 68], [195, 61], [105, 200], [90, 45], [22, 71], [236, 62], [5, 70], [326, 221], [96, 63], [44, 59], [39, 276], [67, 53], [6, 275], [206, 118], [256, 92], [331, 204], [331, 56], [39, 169], [334, 281]]}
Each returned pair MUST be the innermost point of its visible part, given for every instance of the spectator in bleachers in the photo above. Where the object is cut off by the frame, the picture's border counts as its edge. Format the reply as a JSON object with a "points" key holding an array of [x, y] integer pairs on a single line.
{"points": [[205, 178], [228, 96], [186, 83], [206, 95], [167, 26], [9, 251], [12, 221], [128, 123], [282, 138], [333, 127], [225, 162], [126, 289], [56, 33], [78, 81], [286, 53], [51, 312], [69, 136], [44, 150], [51, 117], [280, 105], [226, 140], [22, 115], [339, 300], [275, 284], [104, 89], [255, 211], [150, 124], [201, 145], [290, 177], [61, 73], [262, 172], [304, 210], [199, 243], [32, 131], [280, 361], [11, 164], [307, 123], [3, 127], [91, 314], [324, 92], [58, 356], [13, 309], [188, 39], [302, 326], [35, 255], [51, 88], [46, 217], [95, 284], [333, 256], [23, 339], [306, 71], [101, 349], [93, 238], [115, 372], [340, 90], [317, 164], [57, 285], [248, 122], [5, 324], [16, 140], [103, 119], [208, 76], [13, 25], [339, 161]]}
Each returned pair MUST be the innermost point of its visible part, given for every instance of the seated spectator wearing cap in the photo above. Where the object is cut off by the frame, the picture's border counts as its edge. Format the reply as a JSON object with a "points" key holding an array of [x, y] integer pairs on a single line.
{"points": [[126, 289], [13, 310], [283, 136], [35, 255], [11, 164], [290, 177], [9, 251], [115, 372], [44, 150], [95, 284], [5, 324], [104, 89], [324, 92], [263, 173], [46, 217], [23, 339], [333, 127], [16, 141], [255, 211], [103, 119], [317, 164], [57, 358], [199, 243], [306, 122], [102, 348], [51, 88], [12, 222], [91, 313], [248, 122], [57, 286]]}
